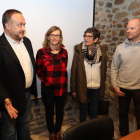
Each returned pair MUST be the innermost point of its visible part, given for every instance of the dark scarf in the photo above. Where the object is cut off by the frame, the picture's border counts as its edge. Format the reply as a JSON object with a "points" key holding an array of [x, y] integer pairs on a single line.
{"points": [[94, 56]]}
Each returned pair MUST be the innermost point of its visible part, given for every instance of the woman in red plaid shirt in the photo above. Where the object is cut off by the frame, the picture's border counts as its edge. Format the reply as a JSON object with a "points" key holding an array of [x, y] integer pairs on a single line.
{"points": [[51, 63]]}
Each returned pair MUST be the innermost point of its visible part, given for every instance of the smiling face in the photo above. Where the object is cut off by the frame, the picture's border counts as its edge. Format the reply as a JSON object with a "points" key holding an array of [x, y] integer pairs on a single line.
{"points": [[89, 40], [54, 38], [15, 27], [133, 30]]}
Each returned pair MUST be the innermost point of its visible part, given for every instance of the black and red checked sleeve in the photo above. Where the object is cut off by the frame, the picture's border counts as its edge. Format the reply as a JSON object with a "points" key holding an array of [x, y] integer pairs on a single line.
{"points": [[38, 63]]}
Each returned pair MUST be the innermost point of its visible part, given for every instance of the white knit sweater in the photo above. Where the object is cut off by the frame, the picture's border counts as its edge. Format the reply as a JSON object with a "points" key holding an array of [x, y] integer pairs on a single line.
{"points": [[93, 75]]}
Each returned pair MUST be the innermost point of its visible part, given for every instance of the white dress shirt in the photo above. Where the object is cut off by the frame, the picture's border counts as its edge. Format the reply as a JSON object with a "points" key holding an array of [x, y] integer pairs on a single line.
{"points": [[24, 59]]}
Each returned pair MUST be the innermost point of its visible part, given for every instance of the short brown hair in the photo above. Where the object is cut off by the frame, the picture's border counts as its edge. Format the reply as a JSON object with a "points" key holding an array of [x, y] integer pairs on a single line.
{"points": [[46, 42], [7, 15]]}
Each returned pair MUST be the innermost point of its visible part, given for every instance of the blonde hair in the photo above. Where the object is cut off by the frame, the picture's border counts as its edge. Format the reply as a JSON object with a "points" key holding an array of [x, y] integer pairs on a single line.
{"points": [[46, 42]]}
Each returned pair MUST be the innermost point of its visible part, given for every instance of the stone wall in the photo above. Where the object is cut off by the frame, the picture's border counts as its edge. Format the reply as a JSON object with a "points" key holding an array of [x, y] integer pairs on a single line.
{"points": [[111, 17]]}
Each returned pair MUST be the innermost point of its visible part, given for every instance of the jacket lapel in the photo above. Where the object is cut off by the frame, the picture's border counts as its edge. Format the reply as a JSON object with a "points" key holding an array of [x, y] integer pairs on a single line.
{"points": [[8, 48]]}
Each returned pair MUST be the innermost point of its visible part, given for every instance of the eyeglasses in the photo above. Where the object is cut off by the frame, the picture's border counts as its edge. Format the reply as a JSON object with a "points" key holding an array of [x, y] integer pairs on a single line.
{"points": [[52, 36], [88, 36]]}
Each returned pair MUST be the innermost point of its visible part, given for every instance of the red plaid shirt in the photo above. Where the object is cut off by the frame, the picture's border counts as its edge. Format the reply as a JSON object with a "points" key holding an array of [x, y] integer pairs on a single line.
{"points": [[52, 70]]}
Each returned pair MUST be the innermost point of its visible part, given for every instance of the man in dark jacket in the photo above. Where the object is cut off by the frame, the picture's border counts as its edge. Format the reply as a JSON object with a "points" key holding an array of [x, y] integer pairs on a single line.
{"points": [[88, 73], [18, 78]]}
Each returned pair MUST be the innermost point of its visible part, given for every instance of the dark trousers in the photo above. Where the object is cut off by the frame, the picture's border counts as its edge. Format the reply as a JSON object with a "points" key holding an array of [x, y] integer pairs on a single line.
{"points": [[124, 103], [17, 129], [49, 101], [92, 102]]}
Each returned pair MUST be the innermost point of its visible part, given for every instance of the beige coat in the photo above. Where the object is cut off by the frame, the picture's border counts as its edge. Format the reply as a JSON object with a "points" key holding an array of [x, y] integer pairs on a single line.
{"points": [[78, 75]]}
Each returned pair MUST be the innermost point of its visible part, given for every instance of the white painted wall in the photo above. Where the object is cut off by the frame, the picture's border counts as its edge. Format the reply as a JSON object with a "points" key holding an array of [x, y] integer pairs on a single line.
{"points": [[72, 16]]}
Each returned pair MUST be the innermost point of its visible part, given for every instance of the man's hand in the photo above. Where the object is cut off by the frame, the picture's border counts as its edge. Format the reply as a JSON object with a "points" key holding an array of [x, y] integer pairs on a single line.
{"points": [[74, 95], [118, 92], [10, 109]]}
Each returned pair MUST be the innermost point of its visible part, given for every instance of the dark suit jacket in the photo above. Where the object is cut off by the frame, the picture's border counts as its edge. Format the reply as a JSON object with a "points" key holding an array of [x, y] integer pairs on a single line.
{"points": [[12, 84]]}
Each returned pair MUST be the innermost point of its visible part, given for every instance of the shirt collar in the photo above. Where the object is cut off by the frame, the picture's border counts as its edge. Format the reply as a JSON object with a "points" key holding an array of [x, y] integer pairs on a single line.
{"points": [[128, 41], [61, 48], [10, 39]]}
